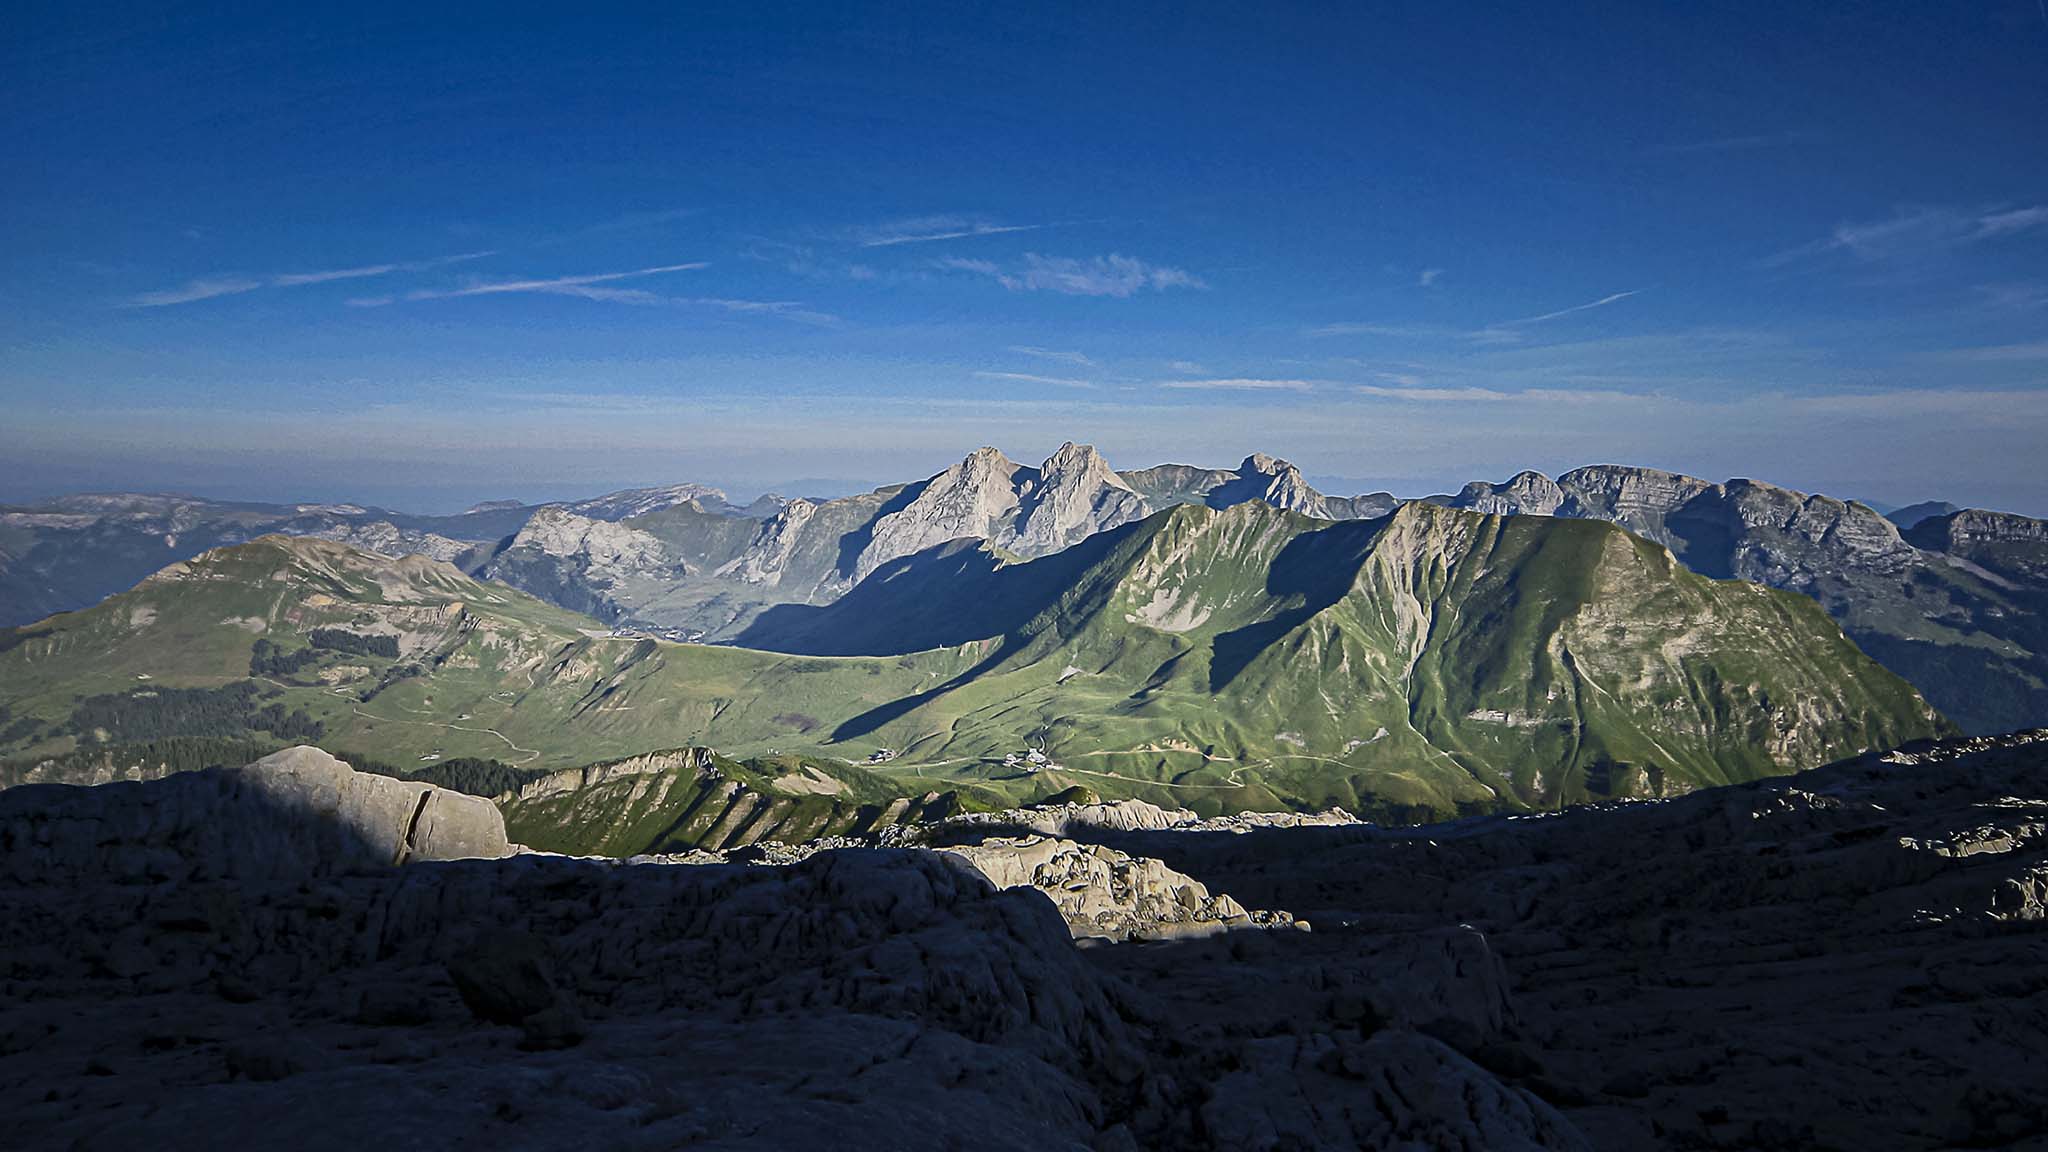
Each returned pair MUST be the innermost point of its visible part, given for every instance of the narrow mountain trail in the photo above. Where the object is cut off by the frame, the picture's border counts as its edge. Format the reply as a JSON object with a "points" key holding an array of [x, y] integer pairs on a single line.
{"points": [[531, 754]]}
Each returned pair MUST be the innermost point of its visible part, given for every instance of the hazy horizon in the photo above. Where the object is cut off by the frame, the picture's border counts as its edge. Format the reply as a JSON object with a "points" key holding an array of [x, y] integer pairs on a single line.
{"points": [[409, 258], [414, 499]]}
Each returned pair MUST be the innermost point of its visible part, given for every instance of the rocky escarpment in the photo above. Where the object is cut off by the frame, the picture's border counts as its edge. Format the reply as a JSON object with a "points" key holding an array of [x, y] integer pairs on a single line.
{"points": [[1102, 893], [1846, 958], [857, 999], [1741, 529], [586, 565], [295, 813], [2012, 548]]}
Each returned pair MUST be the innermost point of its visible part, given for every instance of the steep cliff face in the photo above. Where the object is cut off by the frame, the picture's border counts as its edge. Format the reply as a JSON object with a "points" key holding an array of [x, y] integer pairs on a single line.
{"points": [[586, 565], [1955, 605], [977, 497], [1074, 495], [1029, 511], [769, 555], [1741, 529], [2014, 548]]}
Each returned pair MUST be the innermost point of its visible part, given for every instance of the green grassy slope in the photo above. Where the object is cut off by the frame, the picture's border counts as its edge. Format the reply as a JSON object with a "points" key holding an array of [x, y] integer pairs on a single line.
{"points": [[1433, 658], [1430, 662]]}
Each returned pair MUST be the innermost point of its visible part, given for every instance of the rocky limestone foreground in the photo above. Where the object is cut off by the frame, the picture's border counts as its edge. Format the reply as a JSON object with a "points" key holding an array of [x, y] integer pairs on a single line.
{"points": [[286, 956]]}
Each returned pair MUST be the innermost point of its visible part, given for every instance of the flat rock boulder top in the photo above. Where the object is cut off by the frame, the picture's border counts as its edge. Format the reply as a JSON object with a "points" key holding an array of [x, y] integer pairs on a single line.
{"points": [[293, 814]]}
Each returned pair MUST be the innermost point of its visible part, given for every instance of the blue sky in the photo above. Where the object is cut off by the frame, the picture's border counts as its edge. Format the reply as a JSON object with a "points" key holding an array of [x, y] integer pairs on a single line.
{"points": [[430, 258]]}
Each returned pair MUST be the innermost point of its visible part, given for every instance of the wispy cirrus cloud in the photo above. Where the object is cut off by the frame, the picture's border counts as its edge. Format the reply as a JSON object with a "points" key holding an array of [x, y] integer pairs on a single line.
{"points": [[1113, 275], [1034, 378], [604, 288], [193, 290], [1239, 384], [590, 286], [1080, 358], [1393, 331], [1429, 395], [2006, 352], [931, 229], [1428, 277], [213, 288], [788, 309], [2022, 297], [1917, 235]]}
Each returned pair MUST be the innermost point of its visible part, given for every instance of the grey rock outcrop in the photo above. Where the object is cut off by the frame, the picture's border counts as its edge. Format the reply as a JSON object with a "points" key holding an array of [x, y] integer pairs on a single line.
{"points": [[1679, 973], [1740, 529], [2012, 548], [988, 496], [605, 547], [768, 557], [1103, 893], [1846, 958], [1074, 496], [1403, 1090], [1524, 494], [588, 565], [295, 813], [386, 538], [863, 1000], [1072, 819], [640, 501]]}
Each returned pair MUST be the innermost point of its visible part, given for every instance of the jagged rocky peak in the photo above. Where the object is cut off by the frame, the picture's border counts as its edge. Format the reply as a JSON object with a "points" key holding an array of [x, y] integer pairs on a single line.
{"points": [[767, 556], [975, 497], [1525, 494], [1270, 480], [1031, 511], [1074, 495], [1263, 464]]}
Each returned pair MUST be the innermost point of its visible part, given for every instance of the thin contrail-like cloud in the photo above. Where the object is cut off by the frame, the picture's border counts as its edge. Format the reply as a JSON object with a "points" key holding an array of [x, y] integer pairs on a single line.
{"points": [[1602, 302], [212, 288], [558, 285]]}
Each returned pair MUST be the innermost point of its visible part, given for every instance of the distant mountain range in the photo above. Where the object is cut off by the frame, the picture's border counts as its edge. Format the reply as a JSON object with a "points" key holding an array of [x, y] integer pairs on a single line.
{"points": [[1952, 599], [1422, 663]]}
